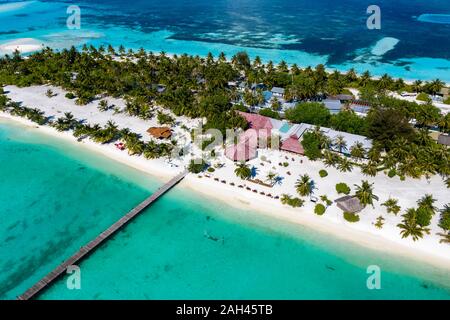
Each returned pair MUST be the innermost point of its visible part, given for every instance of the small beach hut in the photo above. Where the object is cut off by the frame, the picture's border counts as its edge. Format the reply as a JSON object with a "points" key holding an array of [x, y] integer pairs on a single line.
{"points": [[292, 144], [349, 204], [444, 139], [278, 92], [160, 132]]}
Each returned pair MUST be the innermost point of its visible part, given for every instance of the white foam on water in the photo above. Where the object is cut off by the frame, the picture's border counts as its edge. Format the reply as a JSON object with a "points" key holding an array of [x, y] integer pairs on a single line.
{"points": [[8, 7], [434, 18], [384, 45]]}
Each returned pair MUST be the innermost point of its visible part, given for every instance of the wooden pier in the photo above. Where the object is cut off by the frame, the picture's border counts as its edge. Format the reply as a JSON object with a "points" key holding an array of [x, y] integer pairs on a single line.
{"points": [[91, 246]]}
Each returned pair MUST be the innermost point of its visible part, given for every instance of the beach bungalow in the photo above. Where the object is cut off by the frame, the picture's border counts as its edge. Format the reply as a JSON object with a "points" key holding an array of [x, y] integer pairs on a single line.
{"points": [[257, 122], [291, 134], [360, 107], [350, 204], [349, 138], [293, 145], [334, 105], [160, 132], [278, 92], [343, 98], [444, 139]]}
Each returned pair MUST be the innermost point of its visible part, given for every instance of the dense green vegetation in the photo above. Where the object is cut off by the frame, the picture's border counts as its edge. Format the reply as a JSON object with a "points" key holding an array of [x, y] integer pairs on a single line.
{"points": [[243, 171], [392, 206], [351, 217], [197, 165], [319, 209], [323, 173], [193, 86], [292, 201], [304, 185], [342, 188], [267, 112], [198, 87]]}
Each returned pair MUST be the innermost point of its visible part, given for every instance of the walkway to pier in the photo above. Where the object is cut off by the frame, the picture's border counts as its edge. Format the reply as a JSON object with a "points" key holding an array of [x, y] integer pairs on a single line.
{"points": [[91, 246]]}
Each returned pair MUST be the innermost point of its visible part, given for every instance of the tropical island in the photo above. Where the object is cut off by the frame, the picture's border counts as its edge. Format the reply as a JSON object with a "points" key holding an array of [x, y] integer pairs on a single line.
{"points": [[344, 152]]}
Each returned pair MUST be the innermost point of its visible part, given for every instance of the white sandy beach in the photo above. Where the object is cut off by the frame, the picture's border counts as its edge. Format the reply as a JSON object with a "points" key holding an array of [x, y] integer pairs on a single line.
{"points": [[364, 233], [24, 45]]}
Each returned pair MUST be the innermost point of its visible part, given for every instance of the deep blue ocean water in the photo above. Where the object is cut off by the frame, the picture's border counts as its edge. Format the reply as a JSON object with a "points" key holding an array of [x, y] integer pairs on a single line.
{"points": [[297, 31], [56, 196]]}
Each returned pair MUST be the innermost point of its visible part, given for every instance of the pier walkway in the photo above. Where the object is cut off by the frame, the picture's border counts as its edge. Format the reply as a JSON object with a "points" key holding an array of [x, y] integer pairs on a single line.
{"points": [[91, 246]]}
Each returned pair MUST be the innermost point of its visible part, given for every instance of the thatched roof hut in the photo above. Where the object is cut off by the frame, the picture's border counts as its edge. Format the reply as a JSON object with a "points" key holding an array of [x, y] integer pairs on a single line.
{"points": [[349, 204], [160, 132]]}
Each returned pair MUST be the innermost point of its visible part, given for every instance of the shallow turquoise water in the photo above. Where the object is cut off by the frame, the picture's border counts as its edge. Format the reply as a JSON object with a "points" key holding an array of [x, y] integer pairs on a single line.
{"points": [[54, 197]]}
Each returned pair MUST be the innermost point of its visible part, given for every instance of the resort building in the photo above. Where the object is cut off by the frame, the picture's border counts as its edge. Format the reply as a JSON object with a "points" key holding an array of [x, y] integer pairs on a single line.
{"points": [[444, 139], [334, 105], [261, 128], [160, 132], [343, 98], [361, 108], [278, 92]]}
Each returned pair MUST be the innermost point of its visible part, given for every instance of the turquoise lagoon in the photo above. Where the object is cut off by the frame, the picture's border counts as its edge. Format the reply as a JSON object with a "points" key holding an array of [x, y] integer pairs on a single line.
{"points": [[298, 31], [55, 196]]}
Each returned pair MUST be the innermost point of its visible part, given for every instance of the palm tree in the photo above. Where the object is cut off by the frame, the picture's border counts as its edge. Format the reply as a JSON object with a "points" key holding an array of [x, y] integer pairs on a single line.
{"points": [[134, 145], [445, 237], [369, 169], [351, 75], [304, 185], [68, 117], [340, 143], [364, 193], [444, 123], [410, 227], [385, 82], [151, 150], [417, 86], [357, 150], [271, 177], [427, 202], [365, 79], [444, 221], [330, 159], [243, 171], [391, 206], [285, 198], [344, 165], [435, 86], [103, 105]]}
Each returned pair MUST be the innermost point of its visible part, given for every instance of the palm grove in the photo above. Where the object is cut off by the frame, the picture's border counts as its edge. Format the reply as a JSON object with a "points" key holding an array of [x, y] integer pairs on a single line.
{"points": [[198, 87]]}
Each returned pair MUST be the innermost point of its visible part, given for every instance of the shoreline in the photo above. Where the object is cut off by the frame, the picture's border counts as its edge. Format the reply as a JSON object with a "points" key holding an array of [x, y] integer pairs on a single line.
{"points": [[260, 205]]}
